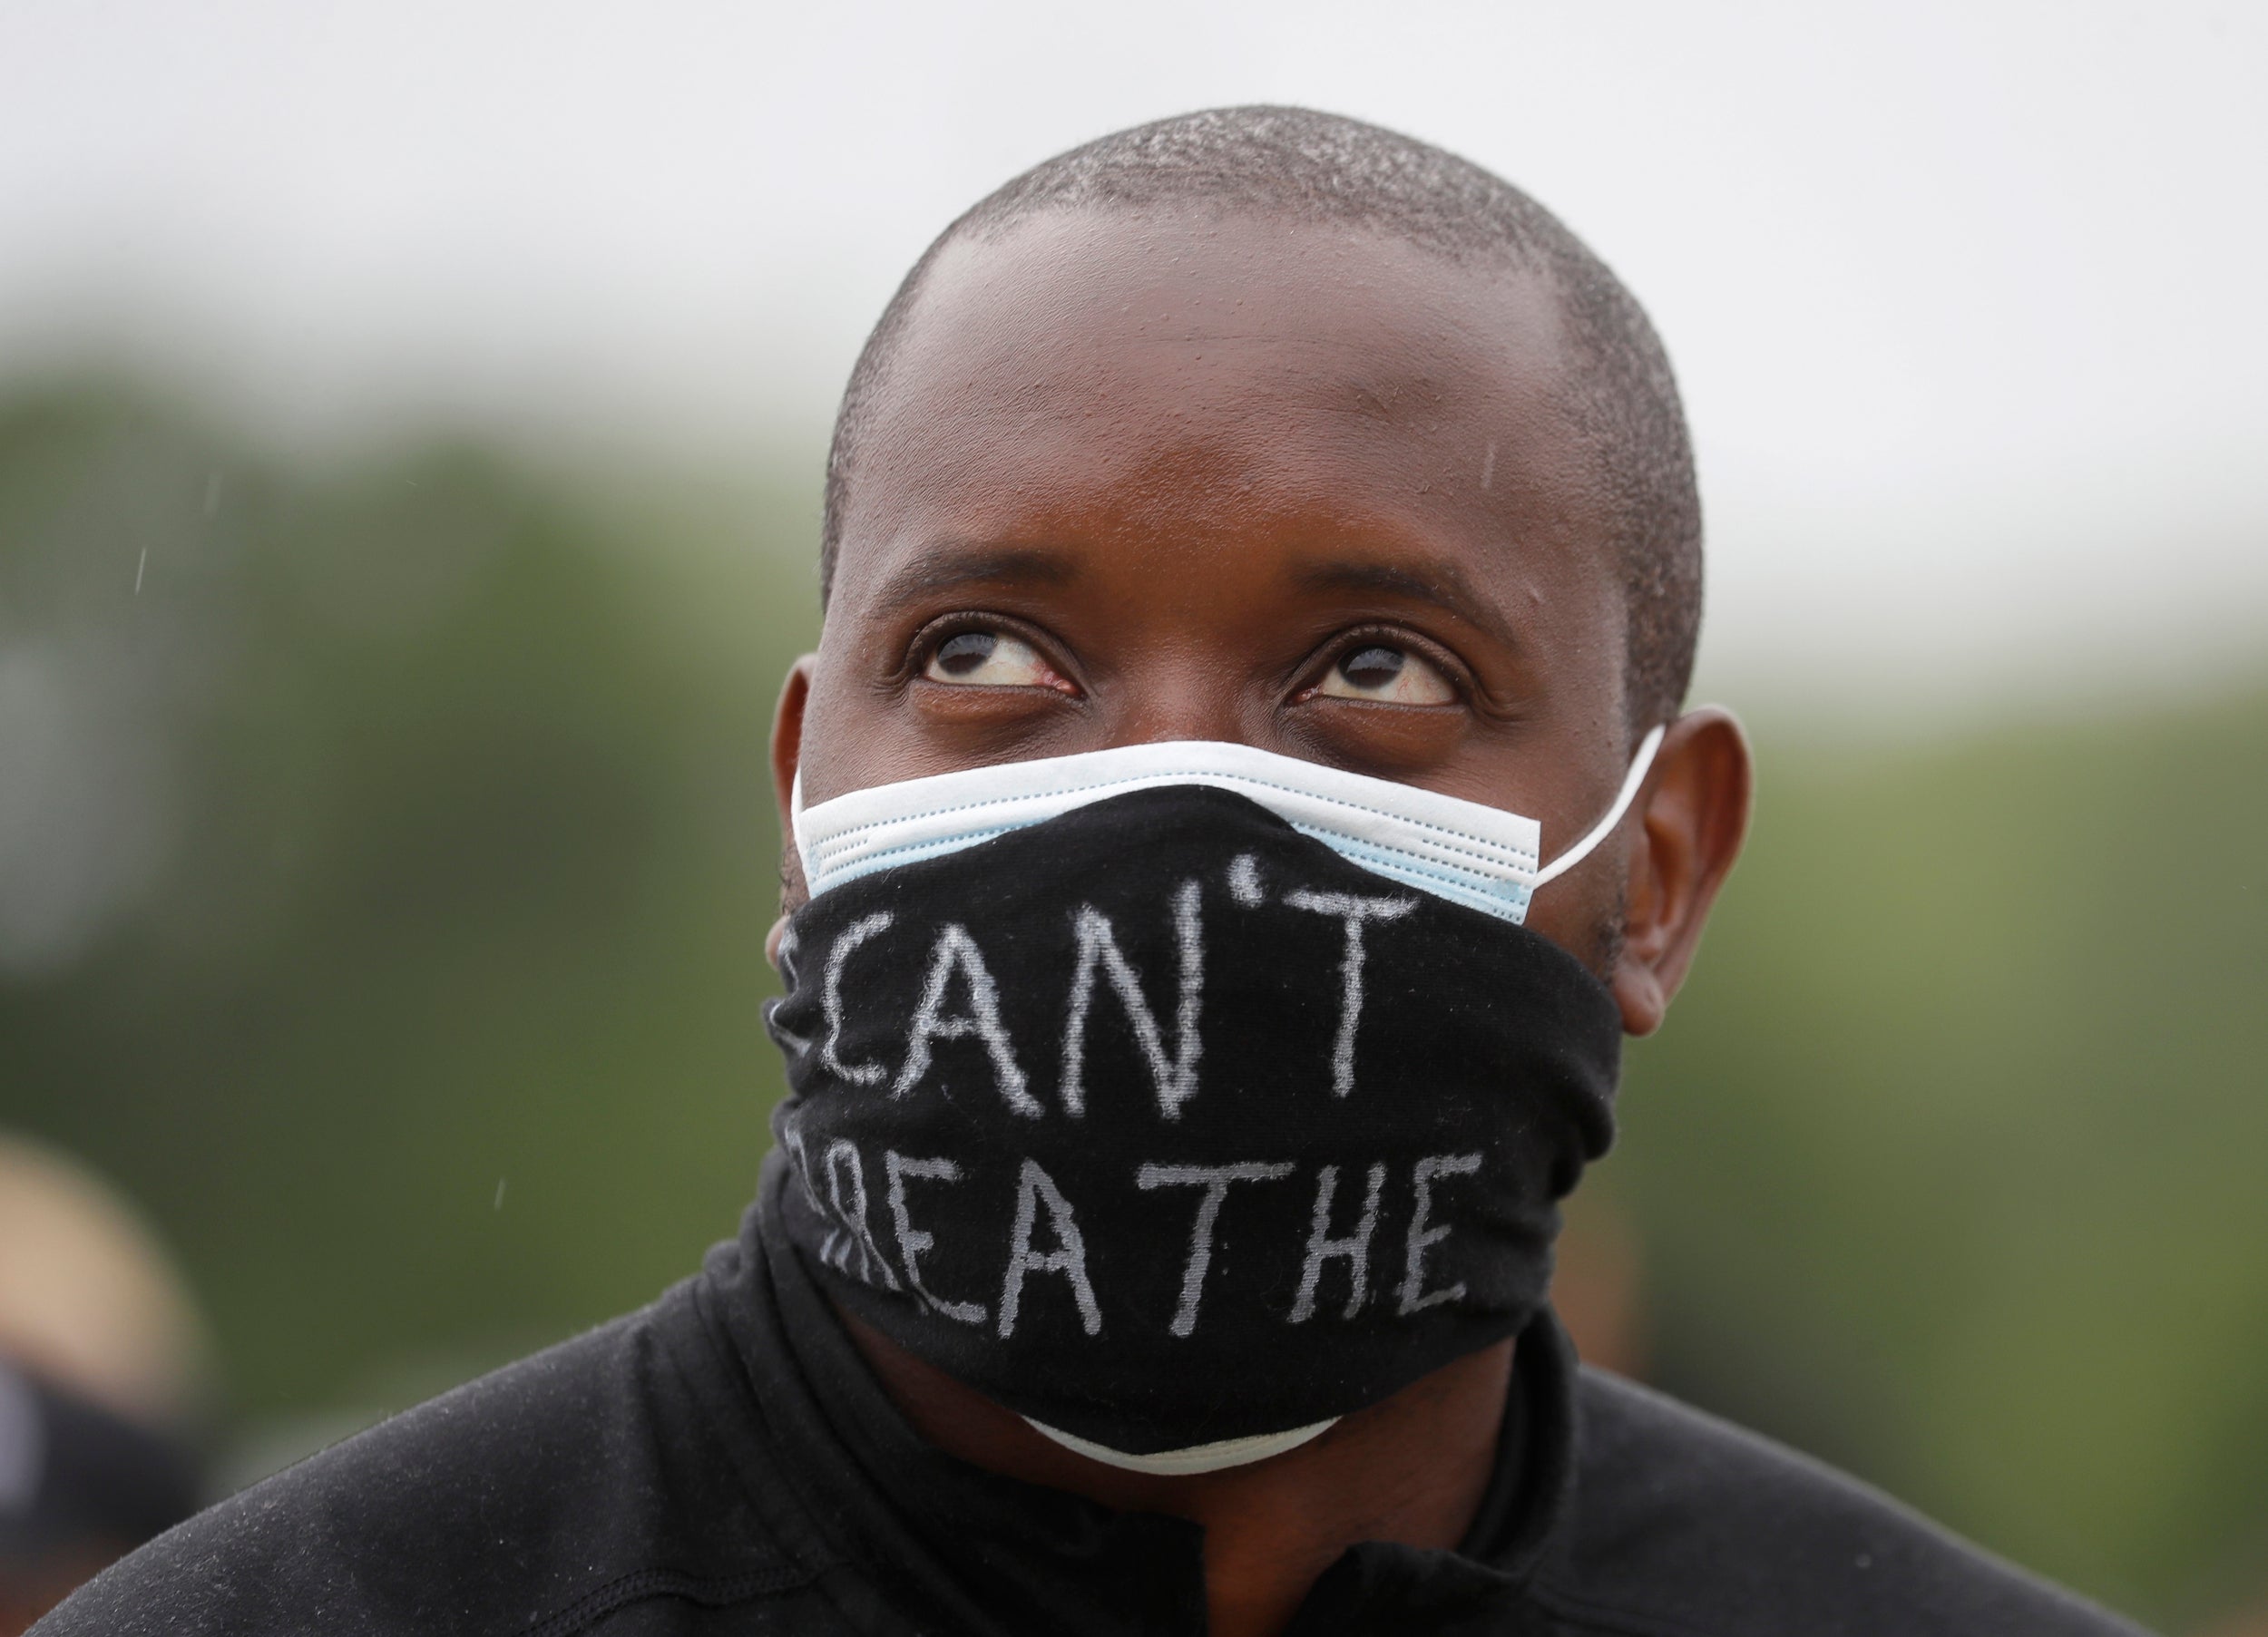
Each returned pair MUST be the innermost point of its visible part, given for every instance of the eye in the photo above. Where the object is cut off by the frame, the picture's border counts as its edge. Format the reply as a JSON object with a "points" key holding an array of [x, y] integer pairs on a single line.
{"points": [[1380, 670], [990, 659]]}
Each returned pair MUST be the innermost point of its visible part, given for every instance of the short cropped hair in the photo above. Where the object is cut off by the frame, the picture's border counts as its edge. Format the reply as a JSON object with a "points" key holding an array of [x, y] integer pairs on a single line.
{"points": [[1297, 164]]}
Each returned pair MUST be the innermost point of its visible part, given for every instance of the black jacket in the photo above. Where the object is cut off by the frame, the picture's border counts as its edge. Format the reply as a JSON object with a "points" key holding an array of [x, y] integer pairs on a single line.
{"points": [[722, 1463]]}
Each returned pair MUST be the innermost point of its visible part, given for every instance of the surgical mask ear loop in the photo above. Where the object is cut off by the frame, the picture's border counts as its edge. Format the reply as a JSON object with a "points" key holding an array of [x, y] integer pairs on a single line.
{"points": [[1604, 827]]}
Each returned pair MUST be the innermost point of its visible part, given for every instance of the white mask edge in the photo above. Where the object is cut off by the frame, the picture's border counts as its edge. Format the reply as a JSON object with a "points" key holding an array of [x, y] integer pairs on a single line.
{"points": [[1194, 1458]]}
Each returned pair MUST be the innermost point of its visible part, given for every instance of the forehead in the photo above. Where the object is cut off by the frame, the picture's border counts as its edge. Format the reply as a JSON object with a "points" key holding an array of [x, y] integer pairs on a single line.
{"points": [[1118, 373]]}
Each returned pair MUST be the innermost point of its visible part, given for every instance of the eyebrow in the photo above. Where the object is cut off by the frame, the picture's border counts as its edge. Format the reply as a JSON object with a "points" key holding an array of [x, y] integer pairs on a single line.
{"points": [[947, 567], [1443, 584]]}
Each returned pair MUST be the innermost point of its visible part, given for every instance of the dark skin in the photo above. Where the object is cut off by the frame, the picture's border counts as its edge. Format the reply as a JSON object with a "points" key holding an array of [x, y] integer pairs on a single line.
{"points": [[1157, 476]]}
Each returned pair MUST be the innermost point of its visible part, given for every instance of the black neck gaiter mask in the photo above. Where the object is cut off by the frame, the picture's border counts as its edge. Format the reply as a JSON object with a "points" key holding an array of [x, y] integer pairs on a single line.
{"points": [[1166, 1127]]}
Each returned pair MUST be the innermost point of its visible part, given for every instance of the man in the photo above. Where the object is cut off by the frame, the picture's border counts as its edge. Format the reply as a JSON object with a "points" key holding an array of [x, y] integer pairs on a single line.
{"points": [[1240, 800]]}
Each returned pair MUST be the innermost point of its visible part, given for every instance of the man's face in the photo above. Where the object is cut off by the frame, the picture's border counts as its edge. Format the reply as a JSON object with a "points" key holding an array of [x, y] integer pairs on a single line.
{"points": [[1139, 478]]}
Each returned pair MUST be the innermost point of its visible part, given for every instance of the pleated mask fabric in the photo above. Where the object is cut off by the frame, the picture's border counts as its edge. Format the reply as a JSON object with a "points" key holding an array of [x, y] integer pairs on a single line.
{"points": [[1466, 852]]}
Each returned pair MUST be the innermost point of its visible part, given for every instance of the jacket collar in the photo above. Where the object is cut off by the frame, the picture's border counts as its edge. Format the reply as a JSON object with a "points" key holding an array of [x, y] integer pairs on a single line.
{"points": [[991, 1553]]}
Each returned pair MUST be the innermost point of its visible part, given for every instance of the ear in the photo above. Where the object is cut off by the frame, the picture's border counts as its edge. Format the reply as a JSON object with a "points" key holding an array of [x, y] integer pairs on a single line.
{"points": [[795, 693], [1695, 815]]}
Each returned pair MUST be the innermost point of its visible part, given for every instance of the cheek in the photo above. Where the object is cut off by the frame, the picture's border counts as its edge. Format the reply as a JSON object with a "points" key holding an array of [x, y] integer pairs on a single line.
{"points": [[844, 730], [1584, 912], [854, 730]]}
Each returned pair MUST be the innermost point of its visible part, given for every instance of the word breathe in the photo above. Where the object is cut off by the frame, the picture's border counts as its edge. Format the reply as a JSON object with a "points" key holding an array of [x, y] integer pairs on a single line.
{"points": [[838, 1190]]}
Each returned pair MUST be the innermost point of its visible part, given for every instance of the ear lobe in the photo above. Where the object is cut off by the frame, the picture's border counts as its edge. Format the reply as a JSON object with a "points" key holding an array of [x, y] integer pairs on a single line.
{"points": [[1694, 817]]}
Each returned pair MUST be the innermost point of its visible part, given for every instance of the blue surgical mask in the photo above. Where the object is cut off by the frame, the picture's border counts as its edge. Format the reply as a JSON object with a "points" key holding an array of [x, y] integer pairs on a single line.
{"points": [[1482, 857]]}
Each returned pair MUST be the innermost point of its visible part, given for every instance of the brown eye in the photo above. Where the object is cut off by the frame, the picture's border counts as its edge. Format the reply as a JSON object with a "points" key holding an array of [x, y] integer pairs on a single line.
{"points": [[990, 659], [1380, 670], [966, 653]]}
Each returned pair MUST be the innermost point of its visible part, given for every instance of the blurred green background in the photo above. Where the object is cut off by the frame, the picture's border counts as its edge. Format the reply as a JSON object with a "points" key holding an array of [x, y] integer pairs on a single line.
{"points": [[387, 849]]}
